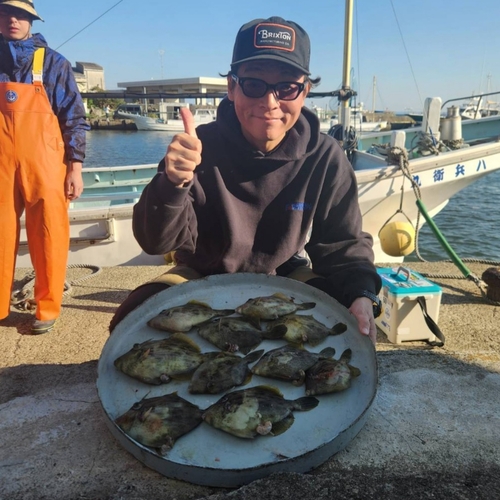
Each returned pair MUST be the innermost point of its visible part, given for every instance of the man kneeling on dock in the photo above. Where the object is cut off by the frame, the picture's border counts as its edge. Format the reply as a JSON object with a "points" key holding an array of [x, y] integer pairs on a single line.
{"points": [[242, 194]]}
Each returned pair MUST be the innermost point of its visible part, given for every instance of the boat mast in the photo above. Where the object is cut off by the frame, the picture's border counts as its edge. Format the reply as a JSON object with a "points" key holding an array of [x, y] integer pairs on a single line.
{"points": [[373, 93], [346, 93]]}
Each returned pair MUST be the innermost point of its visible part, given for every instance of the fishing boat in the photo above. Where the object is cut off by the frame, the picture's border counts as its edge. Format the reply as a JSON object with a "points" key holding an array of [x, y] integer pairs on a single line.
{"points": [[173, 125], [359, 122], [394, 170], [472, 107], [477, 107]]}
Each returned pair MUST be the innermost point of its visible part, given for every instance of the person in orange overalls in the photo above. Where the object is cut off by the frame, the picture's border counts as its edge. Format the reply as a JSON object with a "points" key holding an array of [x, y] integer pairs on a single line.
{"points": [[42, 147]]}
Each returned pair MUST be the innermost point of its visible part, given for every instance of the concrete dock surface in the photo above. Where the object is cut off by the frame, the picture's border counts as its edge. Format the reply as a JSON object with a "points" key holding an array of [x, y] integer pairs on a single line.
{"points": [[432, 432]]}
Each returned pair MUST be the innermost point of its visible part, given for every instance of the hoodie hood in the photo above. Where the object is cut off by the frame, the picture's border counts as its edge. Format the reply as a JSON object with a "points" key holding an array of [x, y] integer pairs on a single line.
{"points": [[301, 140]]}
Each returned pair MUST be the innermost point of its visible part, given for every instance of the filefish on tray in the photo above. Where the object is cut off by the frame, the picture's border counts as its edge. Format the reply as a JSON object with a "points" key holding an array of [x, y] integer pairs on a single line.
{"points": [[260, 410], [289, 363], [159, 361], [183, 318], [271, 307], [300, 329], [223, 372], [235, 334], [331, 375], [158, 422]]}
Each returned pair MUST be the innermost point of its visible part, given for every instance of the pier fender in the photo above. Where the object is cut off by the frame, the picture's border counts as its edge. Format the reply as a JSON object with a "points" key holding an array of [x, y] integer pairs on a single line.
{"points": [[397, 238]]}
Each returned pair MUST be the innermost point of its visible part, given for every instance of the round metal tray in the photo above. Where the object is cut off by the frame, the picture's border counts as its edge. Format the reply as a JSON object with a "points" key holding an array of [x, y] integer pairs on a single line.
{"points": [[208, 456]]}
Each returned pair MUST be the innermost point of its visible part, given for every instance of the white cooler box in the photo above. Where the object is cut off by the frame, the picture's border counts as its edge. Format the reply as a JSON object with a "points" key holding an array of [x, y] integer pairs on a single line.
{"points": [[402, 318]]}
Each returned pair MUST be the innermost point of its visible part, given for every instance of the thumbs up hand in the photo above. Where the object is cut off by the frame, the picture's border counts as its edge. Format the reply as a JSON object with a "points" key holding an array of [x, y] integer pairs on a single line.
{"points": [[183, 153]]}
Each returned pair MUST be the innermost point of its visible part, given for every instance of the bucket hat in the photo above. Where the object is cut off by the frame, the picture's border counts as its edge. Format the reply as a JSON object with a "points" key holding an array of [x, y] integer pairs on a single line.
{"points": [[26, 5], [273, 38]]}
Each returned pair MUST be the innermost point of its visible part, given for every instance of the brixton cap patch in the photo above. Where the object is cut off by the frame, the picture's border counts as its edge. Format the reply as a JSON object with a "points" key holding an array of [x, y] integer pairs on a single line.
{"points": [[26, 5], [273, 38]]}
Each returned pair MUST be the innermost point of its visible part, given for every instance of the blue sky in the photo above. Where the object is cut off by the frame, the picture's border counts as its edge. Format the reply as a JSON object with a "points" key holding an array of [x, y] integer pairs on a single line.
{"points": [[414, 49]]}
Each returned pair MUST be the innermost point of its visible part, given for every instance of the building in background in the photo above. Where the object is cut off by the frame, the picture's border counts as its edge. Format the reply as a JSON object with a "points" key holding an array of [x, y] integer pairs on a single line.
{"points": [[194, 85], [88, 76]]}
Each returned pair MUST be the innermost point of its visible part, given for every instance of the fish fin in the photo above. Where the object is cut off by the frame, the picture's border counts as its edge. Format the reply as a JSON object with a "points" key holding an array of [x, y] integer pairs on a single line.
{"points": [[254, 321], [268, 388], [146, 395], [346, 355], [220, 312], [182, 337], [253, 356], [305, 404], [305, 306], [247, 378], [283, 425], [282, 296], [355, 372], [327, 352], [199, 303], [338, 329], [275, 333]]}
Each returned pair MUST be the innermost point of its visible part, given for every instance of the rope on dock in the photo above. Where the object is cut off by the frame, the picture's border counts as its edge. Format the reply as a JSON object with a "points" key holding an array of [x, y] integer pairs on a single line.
{"points": [[23, 298]]}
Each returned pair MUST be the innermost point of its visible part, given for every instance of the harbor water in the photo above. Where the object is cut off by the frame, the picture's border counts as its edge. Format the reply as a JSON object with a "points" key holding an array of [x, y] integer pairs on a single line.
{"points": [[470, 222]]}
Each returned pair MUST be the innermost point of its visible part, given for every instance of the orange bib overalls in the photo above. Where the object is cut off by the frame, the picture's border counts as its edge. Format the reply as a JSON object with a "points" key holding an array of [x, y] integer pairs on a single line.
{"points": [[32, 174]]}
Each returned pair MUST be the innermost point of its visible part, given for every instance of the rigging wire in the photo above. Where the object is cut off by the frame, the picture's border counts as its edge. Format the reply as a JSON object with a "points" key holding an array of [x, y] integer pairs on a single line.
{"points": [[407, 54], [85, 27]]}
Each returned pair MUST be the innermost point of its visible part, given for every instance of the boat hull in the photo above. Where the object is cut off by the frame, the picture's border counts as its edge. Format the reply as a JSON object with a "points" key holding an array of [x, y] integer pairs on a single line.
{"points": [[171, 125], [439, 178], [101, 221]]}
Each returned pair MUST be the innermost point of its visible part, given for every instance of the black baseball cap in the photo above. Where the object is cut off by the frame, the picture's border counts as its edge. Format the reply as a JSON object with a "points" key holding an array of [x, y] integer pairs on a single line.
{"points": [[275, 39]]}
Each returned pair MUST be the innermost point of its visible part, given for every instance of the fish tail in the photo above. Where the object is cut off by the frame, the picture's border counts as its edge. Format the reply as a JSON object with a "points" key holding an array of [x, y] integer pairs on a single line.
{"points": [[253, 356], [327, 352], [305, 403], [346, 355], [338, 329]]}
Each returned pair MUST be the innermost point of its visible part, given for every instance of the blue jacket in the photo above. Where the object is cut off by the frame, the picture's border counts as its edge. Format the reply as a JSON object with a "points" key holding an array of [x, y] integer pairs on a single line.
{"points": [[16, 62]]}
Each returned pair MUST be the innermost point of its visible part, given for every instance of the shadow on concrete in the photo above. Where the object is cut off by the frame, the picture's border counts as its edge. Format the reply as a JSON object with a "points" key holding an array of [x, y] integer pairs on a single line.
{"points": [[24, 380]]}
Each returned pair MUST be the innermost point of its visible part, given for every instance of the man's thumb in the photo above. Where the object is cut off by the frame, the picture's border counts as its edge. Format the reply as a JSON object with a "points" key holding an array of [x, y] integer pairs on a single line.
{"points": [[188, 119]]}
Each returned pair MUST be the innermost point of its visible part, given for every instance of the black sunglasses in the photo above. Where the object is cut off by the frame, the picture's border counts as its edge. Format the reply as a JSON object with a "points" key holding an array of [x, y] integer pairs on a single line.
{"points": [[255, 88], [14, 12]]}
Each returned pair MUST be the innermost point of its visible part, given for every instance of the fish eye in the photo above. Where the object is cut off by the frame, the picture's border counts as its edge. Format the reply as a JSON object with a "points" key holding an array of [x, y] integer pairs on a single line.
{"points": [[136, 406]]}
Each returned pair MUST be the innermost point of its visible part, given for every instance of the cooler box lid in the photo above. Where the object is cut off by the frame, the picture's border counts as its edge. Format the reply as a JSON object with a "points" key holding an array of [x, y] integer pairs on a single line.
{"points": [[402, 281]]}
